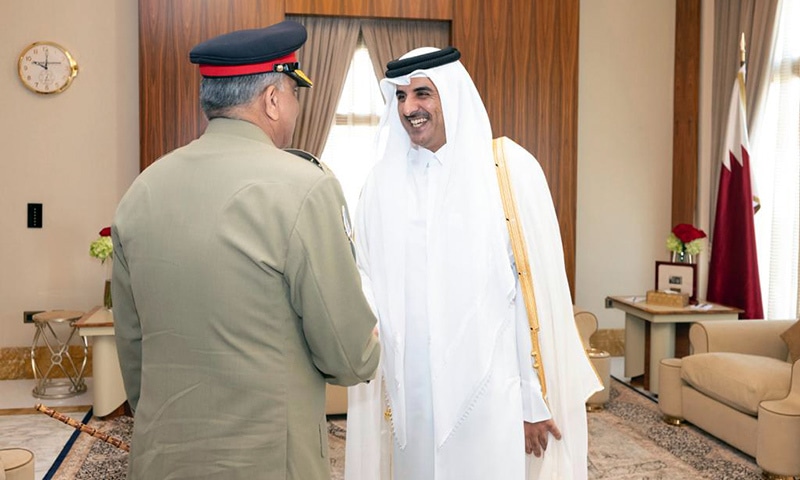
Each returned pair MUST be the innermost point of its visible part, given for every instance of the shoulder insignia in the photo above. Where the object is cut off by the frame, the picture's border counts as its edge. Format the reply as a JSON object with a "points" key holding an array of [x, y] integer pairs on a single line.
{"points": [[306, 155]]}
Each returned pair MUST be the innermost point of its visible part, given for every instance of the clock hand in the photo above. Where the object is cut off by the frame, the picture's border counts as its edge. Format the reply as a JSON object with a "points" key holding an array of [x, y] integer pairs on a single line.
{"points": [[41, 64], [46, 58]]}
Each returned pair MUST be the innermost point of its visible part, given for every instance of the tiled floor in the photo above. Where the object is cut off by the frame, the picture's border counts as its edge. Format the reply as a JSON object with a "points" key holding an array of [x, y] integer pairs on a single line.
{"points": [[37, 432]]}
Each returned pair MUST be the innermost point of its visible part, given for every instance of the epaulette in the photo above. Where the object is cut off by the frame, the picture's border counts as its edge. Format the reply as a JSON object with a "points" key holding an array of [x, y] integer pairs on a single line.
{"points": [[307, 156]]}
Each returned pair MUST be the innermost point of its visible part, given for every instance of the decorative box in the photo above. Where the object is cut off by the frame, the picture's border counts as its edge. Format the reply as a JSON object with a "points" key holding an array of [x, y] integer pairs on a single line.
{"points": [[667, 299]]}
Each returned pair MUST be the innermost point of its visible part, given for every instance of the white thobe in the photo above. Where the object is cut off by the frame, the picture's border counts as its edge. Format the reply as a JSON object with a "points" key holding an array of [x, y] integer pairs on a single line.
{"points": [[416, 459], [481, 445]]}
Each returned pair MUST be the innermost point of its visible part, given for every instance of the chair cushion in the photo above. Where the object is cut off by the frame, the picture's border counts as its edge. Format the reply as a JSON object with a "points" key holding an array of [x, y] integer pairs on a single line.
{"points": [[738, 380], [792, 338]]}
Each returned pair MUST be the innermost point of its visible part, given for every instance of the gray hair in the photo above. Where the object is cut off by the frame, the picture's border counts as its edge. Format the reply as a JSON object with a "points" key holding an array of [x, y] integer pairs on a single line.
{"points": [[219, 96]]}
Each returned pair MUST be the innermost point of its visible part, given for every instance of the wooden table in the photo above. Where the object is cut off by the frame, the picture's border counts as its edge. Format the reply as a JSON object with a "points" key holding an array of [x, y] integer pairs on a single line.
{"points": [[655, 332], [109, 391]]}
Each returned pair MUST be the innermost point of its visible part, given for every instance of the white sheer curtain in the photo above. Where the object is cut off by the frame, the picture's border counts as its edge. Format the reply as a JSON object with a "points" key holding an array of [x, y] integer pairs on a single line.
{"points": [[776, 146], [350, 149]]}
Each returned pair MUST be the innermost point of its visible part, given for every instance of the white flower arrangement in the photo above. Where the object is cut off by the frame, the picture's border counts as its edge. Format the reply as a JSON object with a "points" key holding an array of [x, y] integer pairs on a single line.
{"points": [[102, 248], [675, 245]]}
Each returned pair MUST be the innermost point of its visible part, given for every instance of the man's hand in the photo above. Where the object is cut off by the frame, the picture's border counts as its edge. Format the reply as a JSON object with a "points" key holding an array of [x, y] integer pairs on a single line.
{"points": [[536, 435]]}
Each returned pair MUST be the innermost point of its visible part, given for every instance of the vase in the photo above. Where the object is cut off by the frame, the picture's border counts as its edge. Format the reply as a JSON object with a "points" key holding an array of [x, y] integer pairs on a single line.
{"points": [[682, 257], [107, 288], [107, 295]]}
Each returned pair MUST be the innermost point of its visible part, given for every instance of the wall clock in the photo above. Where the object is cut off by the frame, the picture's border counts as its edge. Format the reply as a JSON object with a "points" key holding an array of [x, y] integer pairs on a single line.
{"points": [[46, 67]]}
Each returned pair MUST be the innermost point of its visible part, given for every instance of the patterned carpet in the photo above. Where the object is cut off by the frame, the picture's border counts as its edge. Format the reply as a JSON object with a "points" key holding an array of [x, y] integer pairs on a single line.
{"points": [[627, 441]]}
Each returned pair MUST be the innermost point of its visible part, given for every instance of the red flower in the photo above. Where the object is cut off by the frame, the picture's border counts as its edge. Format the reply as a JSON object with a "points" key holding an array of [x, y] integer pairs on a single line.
{"points": [[687, 233], [106, 232]]}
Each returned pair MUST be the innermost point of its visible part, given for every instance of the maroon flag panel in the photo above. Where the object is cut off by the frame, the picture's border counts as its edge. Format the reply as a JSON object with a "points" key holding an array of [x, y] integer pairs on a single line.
{"points": [[733, 274]]}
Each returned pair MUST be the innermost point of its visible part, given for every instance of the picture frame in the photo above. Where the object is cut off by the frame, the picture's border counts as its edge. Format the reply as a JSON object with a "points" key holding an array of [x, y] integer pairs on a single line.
{"points": [[677, 277]]}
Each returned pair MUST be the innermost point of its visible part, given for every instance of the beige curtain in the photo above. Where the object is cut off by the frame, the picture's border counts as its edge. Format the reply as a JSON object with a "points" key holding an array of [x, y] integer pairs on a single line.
{"points": [[389, 39], [756, 18], [325, 58]]}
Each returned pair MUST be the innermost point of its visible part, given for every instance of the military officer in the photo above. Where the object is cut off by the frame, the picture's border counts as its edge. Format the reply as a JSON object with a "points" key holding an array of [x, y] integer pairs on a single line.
{"points": [[236, 294]]}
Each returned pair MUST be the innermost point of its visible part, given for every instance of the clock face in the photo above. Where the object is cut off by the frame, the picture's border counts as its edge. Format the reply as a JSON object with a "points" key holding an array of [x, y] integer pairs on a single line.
{"points": [[46, 67]]}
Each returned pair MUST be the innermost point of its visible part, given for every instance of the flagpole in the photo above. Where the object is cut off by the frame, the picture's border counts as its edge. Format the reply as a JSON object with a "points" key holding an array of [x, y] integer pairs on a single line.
{"points": [[742, 51], [743, 71]]}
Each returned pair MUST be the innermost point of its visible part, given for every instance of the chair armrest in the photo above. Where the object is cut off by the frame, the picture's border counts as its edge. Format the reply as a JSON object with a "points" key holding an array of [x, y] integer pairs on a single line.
{"points": [[586, 322], [754, 337], [794, 388], [778, 428]]}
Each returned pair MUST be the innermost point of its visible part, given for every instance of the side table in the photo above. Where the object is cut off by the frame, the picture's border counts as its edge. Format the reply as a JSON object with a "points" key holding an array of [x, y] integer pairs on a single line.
{"points": [[58, 344], [653, 332], [109, 391]]}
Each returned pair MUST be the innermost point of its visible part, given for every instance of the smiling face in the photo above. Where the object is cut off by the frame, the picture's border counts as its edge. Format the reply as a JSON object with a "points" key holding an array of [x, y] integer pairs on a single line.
{"points": [[420, 110]]}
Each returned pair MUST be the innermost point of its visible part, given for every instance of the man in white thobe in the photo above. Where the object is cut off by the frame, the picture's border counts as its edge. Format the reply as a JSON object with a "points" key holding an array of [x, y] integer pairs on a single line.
{"points": [[461, 398]]}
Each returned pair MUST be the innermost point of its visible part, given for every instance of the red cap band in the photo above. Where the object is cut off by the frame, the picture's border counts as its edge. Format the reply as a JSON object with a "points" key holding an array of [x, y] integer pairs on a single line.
{"points": [[234, 70]]}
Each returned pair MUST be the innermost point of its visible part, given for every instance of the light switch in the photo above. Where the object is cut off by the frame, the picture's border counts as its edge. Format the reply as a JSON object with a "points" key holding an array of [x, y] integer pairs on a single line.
{"points": [[34, 215]]}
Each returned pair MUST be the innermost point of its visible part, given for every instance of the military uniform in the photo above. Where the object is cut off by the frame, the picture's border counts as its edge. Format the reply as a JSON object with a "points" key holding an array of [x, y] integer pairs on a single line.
{"points": [[236, 298]]}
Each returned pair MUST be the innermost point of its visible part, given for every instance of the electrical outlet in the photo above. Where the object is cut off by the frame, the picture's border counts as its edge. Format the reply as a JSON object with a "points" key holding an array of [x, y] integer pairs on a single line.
{"points": [[34, 215], [27, 315]]}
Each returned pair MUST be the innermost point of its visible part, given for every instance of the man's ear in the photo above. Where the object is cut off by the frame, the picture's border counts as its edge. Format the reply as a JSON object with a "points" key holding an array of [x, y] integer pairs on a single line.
{"points": [[270, 102]]}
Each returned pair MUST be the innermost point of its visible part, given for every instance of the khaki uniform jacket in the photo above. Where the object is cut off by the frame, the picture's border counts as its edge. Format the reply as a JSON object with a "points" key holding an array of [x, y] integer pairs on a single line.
{"points": [[236, 297]]}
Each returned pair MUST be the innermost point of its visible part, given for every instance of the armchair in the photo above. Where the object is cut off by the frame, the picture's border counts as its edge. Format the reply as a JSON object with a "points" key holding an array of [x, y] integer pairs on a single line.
{"points": [[739, 386], [586, 322]]}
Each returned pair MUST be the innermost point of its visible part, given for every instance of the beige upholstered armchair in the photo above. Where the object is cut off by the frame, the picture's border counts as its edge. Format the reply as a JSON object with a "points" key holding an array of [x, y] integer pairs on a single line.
{"points": [[739, 385], [586, 322]]}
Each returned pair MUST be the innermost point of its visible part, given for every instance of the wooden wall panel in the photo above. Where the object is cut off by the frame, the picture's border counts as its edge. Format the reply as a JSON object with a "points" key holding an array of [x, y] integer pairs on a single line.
{"points": [[420, 10], [169, 112], [685, 134], [523, 56]]}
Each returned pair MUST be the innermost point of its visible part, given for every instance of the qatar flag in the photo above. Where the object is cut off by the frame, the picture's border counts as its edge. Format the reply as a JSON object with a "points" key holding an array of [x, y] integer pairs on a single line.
{"points": [[733, 274]]}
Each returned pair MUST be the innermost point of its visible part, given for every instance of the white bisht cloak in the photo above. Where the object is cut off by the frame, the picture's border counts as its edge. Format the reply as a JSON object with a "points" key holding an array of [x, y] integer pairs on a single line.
{"points": [[469, 280]]}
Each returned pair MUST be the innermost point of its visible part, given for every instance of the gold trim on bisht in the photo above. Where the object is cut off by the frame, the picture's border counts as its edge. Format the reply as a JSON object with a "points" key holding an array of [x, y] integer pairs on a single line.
{"points": [[520, 257]]}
